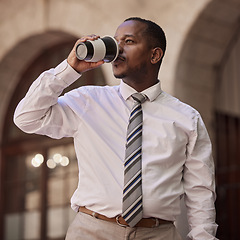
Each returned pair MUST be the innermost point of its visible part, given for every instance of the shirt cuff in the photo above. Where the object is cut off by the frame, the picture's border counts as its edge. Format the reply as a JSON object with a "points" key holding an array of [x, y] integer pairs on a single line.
{"points": [[65, 72]]}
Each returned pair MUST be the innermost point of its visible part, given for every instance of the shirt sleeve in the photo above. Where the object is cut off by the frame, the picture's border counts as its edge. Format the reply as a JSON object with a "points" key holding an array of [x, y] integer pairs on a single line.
{"points": [[199, 184], [41, 111]]}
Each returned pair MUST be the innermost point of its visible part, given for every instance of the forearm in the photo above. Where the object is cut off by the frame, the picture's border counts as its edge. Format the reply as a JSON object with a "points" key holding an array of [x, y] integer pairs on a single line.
{"points": [[199, 185], [36, 108], [201, 213]]}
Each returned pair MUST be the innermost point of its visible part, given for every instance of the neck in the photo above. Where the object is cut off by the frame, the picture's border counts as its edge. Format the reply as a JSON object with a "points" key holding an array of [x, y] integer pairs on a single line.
{"points": [[140, 85]]}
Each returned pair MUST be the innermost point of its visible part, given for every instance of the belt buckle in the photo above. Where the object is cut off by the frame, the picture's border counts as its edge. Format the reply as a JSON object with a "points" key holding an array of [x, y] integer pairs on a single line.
{"points": [[157, 222], [117, 221], [95, 215]]}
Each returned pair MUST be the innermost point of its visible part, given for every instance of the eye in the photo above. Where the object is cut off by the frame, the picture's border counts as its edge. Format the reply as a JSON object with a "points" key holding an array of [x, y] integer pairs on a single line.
{"points": [[129, 41]]}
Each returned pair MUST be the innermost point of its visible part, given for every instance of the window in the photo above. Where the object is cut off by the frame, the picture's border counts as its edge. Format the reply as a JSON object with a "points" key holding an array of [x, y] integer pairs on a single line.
{"points": [[228, 142], [38, 189], [39, 174]]}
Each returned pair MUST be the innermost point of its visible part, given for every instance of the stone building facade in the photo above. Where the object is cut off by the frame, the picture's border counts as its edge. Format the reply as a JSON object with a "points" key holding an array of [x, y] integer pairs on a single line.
{"points": [[201, 68]]}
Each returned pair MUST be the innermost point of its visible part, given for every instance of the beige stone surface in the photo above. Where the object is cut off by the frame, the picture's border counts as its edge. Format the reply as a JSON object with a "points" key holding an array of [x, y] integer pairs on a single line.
{"points": [[199, 36]]}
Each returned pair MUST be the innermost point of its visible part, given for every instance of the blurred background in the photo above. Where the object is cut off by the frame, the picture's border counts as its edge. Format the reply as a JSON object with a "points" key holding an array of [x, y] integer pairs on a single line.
{"points": [[38, 175]]}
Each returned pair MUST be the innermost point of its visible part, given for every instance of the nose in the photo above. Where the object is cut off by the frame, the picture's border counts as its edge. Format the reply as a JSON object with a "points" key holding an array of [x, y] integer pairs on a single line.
{"points": [[120, 47]]}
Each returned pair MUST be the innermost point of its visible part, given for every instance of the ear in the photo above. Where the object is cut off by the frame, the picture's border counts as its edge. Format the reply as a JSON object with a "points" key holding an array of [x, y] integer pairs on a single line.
{"points": [[157, 54]]}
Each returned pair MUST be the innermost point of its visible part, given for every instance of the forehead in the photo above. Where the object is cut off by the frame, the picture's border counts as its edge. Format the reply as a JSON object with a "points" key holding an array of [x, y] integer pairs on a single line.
{"points": [[130, 28]]}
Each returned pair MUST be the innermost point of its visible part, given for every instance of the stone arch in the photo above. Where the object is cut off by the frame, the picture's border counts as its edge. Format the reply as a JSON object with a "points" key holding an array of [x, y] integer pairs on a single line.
{"points": [[22, 57], [18, 69], [15, 63], [202, 58], [202, 54]]}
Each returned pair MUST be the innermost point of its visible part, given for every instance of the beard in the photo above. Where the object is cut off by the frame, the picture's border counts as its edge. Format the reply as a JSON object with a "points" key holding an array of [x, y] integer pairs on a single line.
{"points": [[119, 76], [134, 73]]}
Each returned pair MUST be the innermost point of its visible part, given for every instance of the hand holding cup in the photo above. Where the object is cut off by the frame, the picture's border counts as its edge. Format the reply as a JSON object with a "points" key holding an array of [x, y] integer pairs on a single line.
{"points": [[80, 65]]}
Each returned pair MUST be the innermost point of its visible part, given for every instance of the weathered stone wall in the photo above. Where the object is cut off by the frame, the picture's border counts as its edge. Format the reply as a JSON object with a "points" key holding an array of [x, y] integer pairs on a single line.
{"points": [[198, 38], [22, 19]]}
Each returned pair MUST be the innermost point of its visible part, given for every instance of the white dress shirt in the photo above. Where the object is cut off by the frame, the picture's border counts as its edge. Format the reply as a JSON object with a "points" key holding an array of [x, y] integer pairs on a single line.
{"points": [[176, 150]]}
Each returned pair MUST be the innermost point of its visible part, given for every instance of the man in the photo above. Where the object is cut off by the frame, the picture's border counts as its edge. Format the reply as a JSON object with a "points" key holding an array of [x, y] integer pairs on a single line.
{"points": [[175, 151]]}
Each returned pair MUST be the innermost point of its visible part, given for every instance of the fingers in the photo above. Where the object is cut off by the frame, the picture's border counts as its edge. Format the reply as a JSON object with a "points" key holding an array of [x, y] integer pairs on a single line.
{"points": [[96, 64], [91, 37]]}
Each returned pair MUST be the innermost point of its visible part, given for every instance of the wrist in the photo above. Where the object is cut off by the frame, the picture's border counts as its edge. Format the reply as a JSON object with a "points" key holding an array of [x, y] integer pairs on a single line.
{"points": [[66, 73], [74, 64]]}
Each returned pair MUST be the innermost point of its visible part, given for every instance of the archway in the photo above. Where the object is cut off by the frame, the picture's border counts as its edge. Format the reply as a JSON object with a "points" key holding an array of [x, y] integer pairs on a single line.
{"points": [[201, 81], [27, 189]]}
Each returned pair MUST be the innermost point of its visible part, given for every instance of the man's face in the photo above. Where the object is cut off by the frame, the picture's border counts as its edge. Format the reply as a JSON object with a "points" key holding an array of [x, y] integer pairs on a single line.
{"points": [[135, 54]]}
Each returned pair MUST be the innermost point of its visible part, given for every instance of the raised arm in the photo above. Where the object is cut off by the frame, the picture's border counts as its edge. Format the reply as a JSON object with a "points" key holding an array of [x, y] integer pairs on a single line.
{"points": [[41, 110]]}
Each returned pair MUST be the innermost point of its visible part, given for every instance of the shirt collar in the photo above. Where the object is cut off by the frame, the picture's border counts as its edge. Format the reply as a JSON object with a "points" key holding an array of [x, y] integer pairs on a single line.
{"points": [[152, 92]]}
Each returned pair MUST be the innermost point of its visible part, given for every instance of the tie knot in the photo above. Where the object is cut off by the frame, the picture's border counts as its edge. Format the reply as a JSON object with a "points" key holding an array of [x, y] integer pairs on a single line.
{"points": [[139, 97]]}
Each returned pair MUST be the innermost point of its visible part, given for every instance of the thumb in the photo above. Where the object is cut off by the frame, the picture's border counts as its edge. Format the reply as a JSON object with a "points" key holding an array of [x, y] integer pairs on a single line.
{"points": [[95, 64]]}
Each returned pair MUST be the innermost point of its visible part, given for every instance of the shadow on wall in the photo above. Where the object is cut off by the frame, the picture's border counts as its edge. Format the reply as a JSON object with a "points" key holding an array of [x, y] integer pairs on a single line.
{"points": [[202, 53], [197, 79]]}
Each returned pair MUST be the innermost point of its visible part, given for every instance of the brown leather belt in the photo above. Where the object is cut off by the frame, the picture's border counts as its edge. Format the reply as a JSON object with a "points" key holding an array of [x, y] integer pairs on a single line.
{"points": [[145, 222]]}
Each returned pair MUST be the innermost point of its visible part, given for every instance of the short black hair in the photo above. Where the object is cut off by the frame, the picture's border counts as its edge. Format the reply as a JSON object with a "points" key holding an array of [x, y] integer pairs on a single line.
{"points": [[154, 31]]}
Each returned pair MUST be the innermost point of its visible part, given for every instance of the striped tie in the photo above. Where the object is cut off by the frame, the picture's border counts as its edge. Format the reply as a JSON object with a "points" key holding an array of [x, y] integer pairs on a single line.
{"points": [[132, 192]]}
